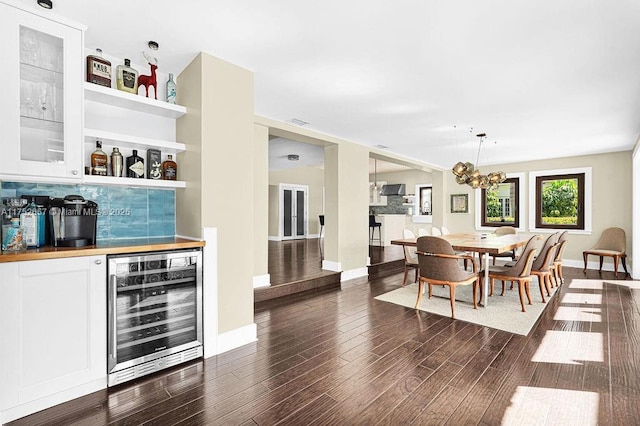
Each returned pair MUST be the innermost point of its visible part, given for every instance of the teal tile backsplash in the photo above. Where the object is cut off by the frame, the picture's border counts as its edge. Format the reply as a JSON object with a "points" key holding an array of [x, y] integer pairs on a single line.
{"points": [[123, 212]]}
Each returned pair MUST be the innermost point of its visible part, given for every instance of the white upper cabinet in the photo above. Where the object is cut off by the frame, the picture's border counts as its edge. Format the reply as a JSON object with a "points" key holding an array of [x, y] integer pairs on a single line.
{"points": [[42, 104]]}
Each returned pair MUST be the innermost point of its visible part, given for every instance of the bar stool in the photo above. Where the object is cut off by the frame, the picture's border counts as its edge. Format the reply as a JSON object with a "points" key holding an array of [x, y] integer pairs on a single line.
{"points": [[372, 227], [321, 217]]}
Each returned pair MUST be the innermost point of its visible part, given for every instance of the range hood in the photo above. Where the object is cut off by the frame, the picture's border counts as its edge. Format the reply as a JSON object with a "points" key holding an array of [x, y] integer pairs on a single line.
{"points": [[394, 189]]}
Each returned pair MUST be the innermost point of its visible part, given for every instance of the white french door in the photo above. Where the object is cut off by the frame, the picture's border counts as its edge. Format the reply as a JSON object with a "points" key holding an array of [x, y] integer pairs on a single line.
{"points": [[293, 211]]}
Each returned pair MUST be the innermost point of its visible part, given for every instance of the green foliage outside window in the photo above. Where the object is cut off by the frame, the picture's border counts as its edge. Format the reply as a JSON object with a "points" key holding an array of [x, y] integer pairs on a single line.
{"points": [[560, 202]]}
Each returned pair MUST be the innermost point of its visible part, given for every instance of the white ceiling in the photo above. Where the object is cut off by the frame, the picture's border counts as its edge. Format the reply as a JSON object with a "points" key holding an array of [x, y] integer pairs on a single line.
{"points": [[541, 78]]}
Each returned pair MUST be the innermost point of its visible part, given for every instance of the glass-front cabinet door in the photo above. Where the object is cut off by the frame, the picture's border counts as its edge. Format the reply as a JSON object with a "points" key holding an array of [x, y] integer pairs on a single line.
{"points": [[42, 106]]}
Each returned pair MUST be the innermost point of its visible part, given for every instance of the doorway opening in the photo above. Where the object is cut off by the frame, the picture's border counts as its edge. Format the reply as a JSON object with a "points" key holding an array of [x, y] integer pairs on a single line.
{"points": [[293, 211]]}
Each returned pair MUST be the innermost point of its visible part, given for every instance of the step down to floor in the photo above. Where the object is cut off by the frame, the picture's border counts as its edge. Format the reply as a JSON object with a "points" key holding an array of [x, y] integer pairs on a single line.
{"points": [[385, 269], [323, 282]]}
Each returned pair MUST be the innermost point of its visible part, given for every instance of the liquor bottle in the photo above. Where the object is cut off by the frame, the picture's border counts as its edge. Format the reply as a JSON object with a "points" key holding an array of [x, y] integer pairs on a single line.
{"points": [[13, 236], [116, 162], [171, 90], [127, 78], [98, 69], [154, 164], [32, 221], [135, 165], [99, 161], [169, 168]]}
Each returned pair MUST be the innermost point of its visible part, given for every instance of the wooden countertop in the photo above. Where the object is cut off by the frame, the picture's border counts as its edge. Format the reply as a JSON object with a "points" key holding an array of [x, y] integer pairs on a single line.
{"points": [[102, 248]]}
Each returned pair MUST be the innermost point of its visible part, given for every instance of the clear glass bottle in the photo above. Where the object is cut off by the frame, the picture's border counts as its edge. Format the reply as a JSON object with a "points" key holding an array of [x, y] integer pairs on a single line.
{"points": [[99, 161], [169, 168], [135, 165], [171, 90], [98, 69], [127, 78]]}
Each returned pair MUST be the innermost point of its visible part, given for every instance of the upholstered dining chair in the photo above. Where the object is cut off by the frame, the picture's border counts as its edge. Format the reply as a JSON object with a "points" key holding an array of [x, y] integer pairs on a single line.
{"points": [[612, 243], [439, 265], [410, 256], [422, 232], [435, 231], [505, 230], [520, 272], [557, 262], [445, 230], [542, 265]]}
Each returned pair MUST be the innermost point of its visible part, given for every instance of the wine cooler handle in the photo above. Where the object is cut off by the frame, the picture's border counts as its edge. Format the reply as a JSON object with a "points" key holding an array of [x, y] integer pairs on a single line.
{"points": [[113, 339]]}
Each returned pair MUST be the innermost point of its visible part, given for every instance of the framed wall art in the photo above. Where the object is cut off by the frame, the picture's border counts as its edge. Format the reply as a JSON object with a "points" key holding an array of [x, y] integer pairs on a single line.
{"points": [[459, 203]]}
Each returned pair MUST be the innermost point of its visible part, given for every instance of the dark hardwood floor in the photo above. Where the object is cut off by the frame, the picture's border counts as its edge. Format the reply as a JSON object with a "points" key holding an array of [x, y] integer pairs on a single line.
{"points": [[341, 357]]}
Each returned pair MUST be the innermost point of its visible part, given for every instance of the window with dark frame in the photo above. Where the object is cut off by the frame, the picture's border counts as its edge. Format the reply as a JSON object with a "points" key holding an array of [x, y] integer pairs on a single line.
{"points": [[560, 201], [500, 205]]}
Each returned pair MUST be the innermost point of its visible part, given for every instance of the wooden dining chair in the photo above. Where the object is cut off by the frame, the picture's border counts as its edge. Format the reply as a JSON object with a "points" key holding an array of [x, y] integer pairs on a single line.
{"points": [[505, 230], [439, 265], [520, 272], [542, 265], [410, 256], [557, 262]]}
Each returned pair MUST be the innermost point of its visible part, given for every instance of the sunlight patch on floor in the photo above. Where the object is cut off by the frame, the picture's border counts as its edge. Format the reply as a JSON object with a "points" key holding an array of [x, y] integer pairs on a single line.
{"points": [[546, 406], [570, 313], [570, 347], [586, 284], [579, 298]]}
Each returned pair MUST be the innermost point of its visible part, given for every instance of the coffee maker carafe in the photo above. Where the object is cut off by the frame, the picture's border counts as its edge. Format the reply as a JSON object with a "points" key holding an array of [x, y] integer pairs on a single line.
{"points": [[73, 221]]}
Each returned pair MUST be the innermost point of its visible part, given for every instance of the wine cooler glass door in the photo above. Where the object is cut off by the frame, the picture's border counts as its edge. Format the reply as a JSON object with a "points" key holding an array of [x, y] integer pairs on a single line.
{"points": [[155, 307]]}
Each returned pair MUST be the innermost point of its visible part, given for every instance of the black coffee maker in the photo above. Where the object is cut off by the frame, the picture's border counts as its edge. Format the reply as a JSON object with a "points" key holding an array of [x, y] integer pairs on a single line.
{"points": [[73, 221]]}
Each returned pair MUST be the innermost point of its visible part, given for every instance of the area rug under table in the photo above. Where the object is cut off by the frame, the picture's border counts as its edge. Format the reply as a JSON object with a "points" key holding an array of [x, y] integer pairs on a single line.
{"points": [[502, 312]]}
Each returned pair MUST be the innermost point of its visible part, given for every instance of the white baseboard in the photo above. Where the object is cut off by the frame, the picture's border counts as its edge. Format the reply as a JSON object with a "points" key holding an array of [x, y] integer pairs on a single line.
{"points": [[354, 273], [274, 238], [312, 236], [260, 281], [238, 337], [331, 266]]}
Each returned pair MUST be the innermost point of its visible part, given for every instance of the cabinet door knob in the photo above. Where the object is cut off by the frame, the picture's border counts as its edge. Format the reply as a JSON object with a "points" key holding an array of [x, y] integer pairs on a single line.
{"points": [[98, 262], [74, 172]]}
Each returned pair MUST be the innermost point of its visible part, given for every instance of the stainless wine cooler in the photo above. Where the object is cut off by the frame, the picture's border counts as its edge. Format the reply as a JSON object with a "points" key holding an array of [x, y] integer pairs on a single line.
{"points": [[155, 312]]}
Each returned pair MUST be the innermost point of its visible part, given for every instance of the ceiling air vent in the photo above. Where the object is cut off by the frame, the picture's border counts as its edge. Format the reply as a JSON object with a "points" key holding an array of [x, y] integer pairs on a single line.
{"points": [[381, 146], [297, 122]]}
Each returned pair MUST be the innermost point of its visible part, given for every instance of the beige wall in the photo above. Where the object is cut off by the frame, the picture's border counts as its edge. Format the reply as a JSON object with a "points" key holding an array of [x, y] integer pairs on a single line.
{"points": [[346, 205], [260, 200], [313, 177], [612, 193], [219, 131]]}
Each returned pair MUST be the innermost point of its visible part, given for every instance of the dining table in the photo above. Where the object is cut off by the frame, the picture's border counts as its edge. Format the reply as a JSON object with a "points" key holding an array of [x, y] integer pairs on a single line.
{"points": [[485, 244]]}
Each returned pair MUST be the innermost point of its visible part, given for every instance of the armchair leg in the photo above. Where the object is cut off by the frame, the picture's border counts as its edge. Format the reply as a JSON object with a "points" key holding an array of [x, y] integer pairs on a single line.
{"points": [[521, 293], [452, 295], [406, 272], [601, 259], [584, 256], [616, 259], [541, 284], [420, 288], [528, 290], [624, 264]]}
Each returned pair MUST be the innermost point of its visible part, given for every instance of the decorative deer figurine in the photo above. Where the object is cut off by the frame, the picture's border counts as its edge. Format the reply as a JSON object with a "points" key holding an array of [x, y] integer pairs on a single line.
{"points": [[149, 80]]}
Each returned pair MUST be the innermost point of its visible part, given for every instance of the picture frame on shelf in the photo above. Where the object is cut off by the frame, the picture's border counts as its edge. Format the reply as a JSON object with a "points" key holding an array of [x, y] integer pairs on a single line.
{"points": [[459, 203]]}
